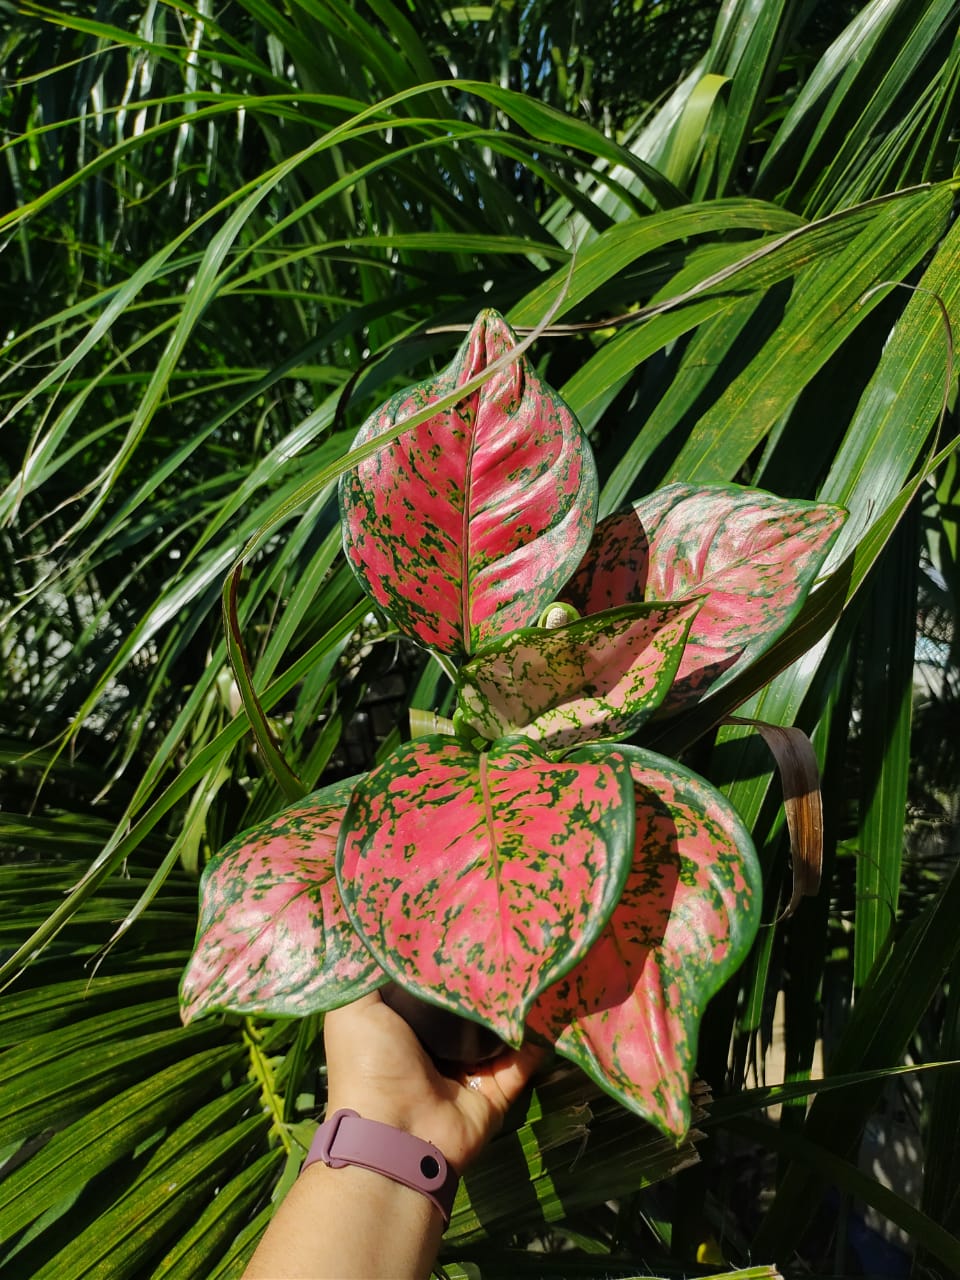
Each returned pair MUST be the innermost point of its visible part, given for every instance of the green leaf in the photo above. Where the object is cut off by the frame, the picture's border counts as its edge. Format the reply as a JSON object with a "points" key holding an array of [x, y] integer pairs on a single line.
{"points": [[600, 677], [575, 1148], [829, 301], [89, 1145], [444, 856], [889, 630], [748, 557], [38, 1100], [629, 1013], [885, 1016], [815, 1157], [132, 1232], [273, 936], [467, 525]]}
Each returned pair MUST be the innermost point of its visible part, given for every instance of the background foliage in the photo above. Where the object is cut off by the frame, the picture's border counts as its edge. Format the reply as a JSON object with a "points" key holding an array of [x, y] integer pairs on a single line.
{"points": [[214, 215]]}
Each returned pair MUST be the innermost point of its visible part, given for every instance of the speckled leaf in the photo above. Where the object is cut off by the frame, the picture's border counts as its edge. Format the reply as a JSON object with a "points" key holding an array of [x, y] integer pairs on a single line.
{"points": [[467, 525], [599, 677], [752, 556], [477, 880], [629, 1013], [273, 936]]}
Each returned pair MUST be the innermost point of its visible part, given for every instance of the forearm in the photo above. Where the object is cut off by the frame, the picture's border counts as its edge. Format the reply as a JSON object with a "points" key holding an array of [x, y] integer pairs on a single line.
{"points": [[350, 1222]]}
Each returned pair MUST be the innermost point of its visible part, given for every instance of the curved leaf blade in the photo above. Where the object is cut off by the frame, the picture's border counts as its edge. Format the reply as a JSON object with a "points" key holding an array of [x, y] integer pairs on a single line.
{"points": [[476, 881], [599, 677], [629, 1013], [273, 936], [753, 557], [467, 525], [87, 1147]]}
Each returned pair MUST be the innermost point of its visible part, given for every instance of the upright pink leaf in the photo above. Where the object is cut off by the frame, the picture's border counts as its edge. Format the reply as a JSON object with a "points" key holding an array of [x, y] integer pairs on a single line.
{"points": [[466, 526], [750, 556], [273, 936], [599, 677], [477, 880], [629, 1013]]}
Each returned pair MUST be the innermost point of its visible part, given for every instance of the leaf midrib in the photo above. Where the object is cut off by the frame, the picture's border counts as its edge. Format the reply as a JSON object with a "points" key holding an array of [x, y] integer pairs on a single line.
{"points": [[488, 815]]}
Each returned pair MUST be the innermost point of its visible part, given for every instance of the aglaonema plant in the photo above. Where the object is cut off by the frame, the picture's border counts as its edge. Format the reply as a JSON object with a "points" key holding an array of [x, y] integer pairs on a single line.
{"points": [[533, 868]]}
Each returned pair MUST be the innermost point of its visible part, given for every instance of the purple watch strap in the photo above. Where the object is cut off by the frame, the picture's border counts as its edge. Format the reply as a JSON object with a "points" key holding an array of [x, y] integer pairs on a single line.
{"points": [[346, 1138]]}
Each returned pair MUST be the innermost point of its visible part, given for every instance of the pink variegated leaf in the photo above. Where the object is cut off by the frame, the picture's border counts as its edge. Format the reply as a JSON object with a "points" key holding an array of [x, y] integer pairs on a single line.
{"points": [[273, 936], [599, 677], [630, 1012], [477, 880], [467, 525], [752, 557]]}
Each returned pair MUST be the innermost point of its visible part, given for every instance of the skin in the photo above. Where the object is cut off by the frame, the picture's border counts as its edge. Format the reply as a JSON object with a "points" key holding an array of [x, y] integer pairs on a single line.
{"points": [[338, 1224]]}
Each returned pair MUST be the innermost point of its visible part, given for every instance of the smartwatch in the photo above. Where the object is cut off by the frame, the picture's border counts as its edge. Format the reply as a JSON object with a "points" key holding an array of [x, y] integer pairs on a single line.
{"points": [[346, 1138]]}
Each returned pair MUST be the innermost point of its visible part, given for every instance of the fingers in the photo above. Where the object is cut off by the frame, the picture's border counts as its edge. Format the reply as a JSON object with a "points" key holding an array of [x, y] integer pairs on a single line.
{"points": [[514, 1070], [502, 1080]]}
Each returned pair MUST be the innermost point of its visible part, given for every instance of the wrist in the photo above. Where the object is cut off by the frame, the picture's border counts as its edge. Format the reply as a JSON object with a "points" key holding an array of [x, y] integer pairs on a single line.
{"points": [[374, 1106], [349, 1139]]}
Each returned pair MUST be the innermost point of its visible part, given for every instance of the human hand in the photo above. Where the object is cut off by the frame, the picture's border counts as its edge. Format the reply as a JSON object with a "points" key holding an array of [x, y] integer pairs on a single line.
{"points": [[377, 1067]]}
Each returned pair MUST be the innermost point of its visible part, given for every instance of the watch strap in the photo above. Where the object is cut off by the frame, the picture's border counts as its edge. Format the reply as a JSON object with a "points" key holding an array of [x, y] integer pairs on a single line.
{"points": [[347, 1138]]}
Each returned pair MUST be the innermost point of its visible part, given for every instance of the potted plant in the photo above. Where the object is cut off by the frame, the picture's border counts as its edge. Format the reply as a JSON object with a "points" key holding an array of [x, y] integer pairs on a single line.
{"points": [[532, 867]]}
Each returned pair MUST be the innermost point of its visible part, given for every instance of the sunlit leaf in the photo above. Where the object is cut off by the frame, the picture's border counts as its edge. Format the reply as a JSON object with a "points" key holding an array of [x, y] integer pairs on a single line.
{"points": [[600, 677], [273, 935], [749, 556], [469, 524], [476, 880], [629, 1013]]}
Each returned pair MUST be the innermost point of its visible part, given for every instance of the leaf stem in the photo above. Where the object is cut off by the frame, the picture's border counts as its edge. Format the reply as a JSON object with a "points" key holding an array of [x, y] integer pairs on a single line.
{"points": [[262, 1072], [445, 665]]}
